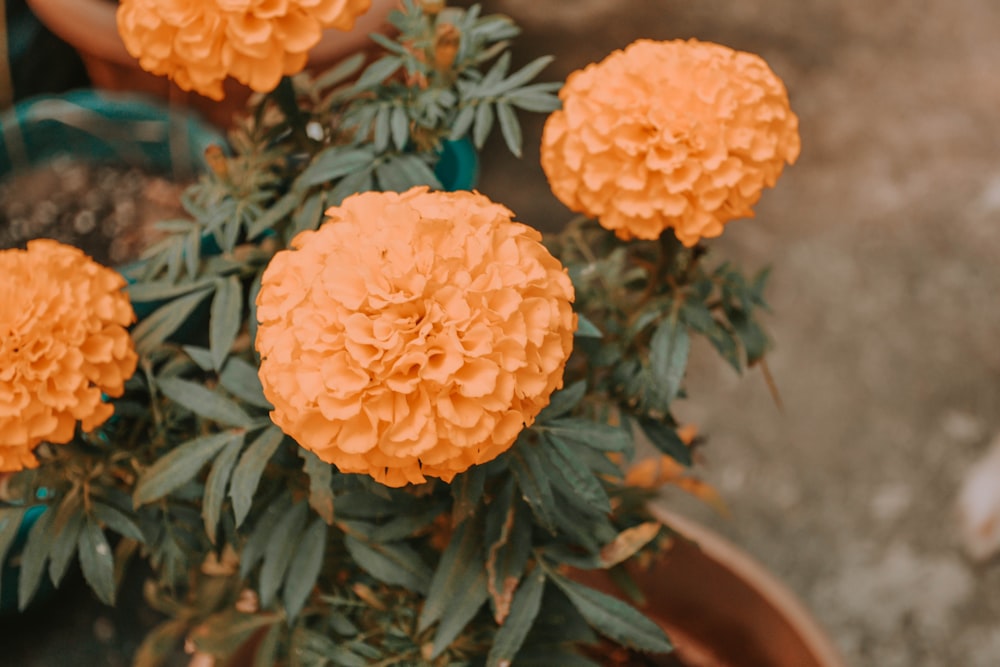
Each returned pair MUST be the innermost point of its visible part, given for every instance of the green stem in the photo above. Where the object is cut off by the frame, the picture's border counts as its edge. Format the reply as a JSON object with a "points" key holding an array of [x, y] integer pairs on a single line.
{"points": [[286, 99]]}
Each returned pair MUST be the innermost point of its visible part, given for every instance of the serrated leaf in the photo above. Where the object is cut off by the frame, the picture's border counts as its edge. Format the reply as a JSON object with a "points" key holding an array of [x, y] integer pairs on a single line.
{"points": [[597, 435], [463, 122], [179, 466], [309, 215], [225, 319], [260, 536], [117, 520], [353, 183], [510, 128], [579, 478], [523, 612], [483, 125], [400, 125], [305, 566], [34, 557], [668, 355], [535, 101], [535, 487], [523, 75], [246, 475], [320, 490], [586, 329], [157, 291], [341, 71], [395, 564], [277, 211], [279, 552], [381, 133], [204, 402], [64, 544], [333, 163], [416, 171], [665, 439], [309, 644], [628, 543], [200, 356], [460, 564], [97, 562], [467, 491], [564, 401], [461, 610], [508, 542], [613, 618], [164, 321], [241, 380], [215, 485], [379, 71]]}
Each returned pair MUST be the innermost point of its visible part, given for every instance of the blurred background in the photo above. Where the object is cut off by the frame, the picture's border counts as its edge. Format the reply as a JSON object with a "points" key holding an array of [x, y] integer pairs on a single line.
{"points": [[885, 243]]}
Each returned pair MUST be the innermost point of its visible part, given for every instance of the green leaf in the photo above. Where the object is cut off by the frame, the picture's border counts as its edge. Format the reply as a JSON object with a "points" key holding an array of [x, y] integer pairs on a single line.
{"points": [[260, 537], [613, 618], [668, 355], [415, 171], [192, 252], [597, 435], [33, 558], [510, 128], [460, 564], [483, 125], [215, 485], [10, 524], [97, 562], [305, 568], [508, 542], [395, 564], [279, 552], [353, 183], [379, 71], [247, 474], [241, 380], [341, 71], [200, 356], [522, 76], [226, 318], [534, 482], [311, 645], [461, 610], [267, 651], [463, 121], [564, 401], [523, 612], [586, 329], [278, 210], [117, 520], [467, 491], [64, 544], [580, 479], [400, 125], [381, 135], [665, 439], [204, 402], [164, 321], [158, 291], [320, 479], [309, 215], [179, 466], [751, 335], [333, 163]]}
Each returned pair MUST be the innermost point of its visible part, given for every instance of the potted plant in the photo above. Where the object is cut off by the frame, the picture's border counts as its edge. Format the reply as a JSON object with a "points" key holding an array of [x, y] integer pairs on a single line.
{"points": [[405, 431]]}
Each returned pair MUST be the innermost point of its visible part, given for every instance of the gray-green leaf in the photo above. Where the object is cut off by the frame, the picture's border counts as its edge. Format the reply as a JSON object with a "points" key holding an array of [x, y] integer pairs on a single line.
{"points": [[179, 466]]}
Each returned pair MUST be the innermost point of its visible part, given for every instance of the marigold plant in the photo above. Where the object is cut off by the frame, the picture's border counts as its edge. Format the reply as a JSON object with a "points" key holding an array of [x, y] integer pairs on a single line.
{"points": [[413, 334], [198, 43], [379, 422], [680, 134], [63, 343]]}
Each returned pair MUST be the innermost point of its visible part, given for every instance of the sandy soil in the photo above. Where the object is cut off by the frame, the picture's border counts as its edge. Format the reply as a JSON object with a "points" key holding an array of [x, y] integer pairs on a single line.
{"points": [[885, 243]]}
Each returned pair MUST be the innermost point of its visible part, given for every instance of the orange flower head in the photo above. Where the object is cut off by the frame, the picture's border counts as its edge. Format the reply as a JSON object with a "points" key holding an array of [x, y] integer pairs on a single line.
{"points": [[413, 335], [198, 43], [63, 343], [681, 134]]}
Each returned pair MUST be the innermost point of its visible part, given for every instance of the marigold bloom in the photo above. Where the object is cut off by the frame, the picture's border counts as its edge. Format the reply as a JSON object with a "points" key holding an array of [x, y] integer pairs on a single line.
{"points": [[680, 134], [198, 43], [413, 334], [63, 342]]}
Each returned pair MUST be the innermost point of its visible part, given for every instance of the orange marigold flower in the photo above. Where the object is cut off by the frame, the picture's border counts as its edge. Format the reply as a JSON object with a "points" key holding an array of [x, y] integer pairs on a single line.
{"points": [[680, 134], [63, 343], [198, 43], [413, 335]]}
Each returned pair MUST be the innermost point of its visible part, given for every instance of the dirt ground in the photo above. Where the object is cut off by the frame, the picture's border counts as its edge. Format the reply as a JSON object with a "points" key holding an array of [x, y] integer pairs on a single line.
{"points": [[885, 242]]}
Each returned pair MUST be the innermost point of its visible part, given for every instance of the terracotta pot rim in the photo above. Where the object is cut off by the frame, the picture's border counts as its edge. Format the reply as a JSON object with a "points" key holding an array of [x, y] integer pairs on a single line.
{"points": [[86, 24], [760, 580]]}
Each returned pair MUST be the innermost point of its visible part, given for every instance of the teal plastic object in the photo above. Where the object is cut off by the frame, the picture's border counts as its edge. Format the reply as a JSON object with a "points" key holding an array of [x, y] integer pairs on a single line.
{"points": [[104, 127], [458, 168]]}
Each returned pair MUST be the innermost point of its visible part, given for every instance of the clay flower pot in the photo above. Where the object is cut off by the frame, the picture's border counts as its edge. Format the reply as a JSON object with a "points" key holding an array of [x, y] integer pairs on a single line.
{"points": [[723, 609], [89, 26]]}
